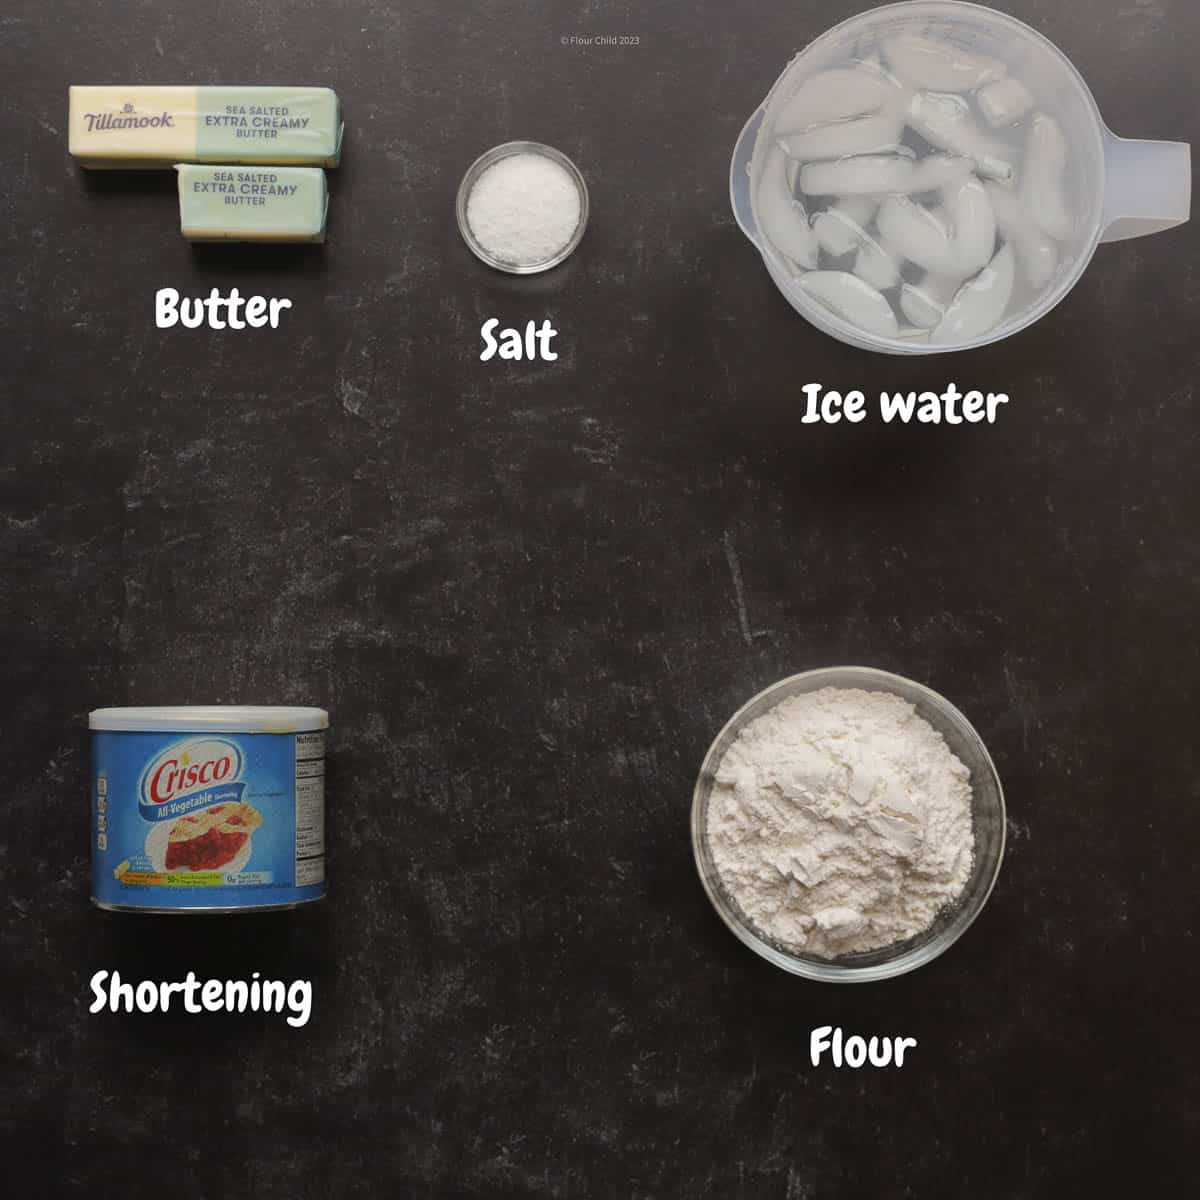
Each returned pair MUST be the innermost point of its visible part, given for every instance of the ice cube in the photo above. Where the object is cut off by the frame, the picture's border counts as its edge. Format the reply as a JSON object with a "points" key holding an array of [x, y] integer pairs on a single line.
{"points": [[945, 121], [841, 228], [1004, 102], [793, 177], [914, 233], [926, 63], [973, 221], [877, 134], [874, 63], [1036, 254], [833, 96], [865, 175], [852, 299], [781, 217], [1043, 177], [980, 302], [859, 208], [935, 171], [877, 265], [924, 302]]}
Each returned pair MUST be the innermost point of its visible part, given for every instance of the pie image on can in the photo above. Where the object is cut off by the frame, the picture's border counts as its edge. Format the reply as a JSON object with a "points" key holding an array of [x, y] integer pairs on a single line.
{"points": [[207, 809], [211, 838]]}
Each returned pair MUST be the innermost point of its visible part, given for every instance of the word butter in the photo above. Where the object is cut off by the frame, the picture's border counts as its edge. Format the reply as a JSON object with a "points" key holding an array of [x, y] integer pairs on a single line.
{"points": [[234, 311], [162, 126]]}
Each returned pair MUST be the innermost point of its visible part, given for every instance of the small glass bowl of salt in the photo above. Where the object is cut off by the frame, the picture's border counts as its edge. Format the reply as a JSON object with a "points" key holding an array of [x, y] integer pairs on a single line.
{"points": [[522, 207]]}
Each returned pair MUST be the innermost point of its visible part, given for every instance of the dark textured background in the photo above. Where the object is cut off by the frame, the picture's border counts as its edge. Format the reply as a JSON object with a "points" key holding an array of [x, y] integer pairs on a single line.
{"points": [[529, 598]]}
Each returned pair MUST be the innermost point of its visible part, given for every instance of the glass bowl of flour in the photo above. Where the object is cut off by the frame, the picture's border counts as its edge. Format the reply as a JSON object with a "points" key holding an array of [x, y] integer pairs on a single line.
{"points": [[848, 824]]}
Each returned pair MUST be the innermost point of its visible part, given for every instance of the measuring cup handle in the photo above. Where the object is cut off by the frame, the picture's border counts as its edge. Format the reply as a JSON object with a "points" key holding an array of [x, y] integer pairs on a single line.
{"points": [[1148, 186], [739, 177]]}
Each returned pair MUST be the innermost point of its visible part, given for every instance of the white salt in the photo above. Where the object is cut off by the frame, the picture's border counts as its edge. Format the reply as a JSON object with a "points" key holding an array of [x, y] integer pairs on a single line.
{"points": [[524, 209]]}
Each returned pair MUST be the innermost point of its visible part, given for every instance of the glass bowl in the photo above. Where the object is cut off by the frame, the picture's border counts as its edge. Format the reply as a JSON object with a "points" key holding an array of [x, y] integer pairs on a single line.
{"points": [[494, 155], [987, 811]]}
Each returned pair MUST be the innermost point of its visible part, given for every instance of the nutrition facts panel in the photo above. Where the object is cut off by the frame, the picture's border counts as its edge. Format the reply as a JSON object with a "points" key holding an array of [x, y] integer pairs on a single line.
{"points": [[310, 808]]}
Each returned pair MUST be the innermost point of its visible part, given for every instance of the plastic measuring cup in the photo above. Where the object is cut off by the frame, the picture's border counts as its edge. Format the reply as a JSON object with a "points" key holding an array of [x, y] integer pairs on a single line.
{"points": [[1121, 188]]}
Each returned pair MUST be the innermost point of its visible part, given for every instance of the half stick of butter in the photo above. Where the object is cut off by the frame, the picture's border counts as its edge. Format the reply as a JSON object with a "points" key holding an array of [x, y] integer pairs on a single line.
{"points": [[252, 204], [160, 126]]}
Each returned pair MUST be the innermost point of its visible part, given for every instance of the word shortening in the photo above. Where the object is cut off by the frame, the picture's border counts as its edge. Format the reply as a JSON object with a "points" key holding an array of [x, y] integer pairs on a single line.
{"points": [[950, 407], [203, 995]]}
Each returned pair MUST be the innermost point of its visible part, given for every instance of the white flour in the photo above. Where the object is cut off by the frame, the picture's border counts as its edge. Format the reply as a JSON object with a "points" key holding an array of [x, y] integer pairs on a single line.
{"points": [[840, 821], [524, 209]]}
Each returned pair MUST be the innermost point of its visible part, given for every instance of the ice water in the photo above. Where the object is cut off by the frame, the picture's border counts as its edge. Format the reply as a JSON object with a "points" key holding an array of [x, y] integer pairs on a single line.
{"points": [[920, 188]]}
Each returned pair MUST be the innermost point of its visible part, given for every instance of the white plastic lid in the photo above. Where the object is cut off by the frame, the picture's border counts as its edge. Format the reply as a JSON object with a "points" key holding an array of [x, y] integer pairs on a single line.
{"points": [[212, 718]]}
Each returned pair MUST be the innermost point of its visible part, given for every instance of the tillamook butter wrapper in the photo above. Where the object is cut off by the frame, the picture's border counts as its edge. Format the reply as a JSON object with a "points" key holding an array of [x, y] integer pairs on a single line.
{"points": [[118, 126]]}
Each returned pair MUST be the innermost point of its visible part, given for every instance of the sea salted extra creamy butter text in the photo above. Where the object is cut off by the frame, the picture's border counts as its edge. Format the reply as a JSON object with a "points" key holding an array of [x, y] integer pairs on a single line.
{"points": [[252, 204]]}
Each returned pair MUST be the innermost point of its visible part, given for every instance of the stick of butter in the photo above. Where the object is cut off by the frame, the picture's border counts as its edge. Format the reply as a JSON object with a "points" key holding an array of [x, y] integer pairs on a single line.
{"points": [[252, 204], [160, 126]]}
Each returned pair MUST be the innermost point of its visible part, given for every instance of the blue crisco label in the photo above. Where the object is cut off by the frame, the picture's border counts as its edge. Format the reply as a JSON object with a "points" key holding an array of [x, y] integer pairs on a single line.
{"points": [[207, 820], [191, 774]]}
